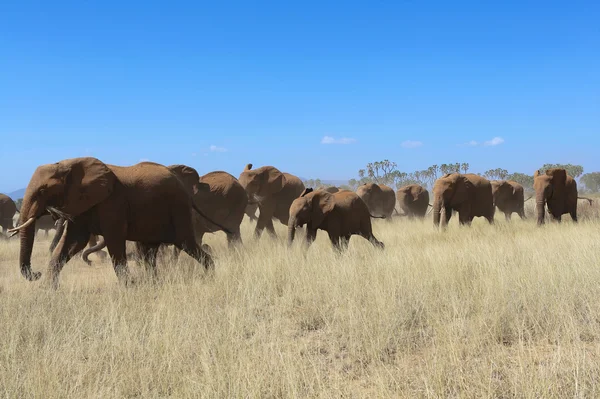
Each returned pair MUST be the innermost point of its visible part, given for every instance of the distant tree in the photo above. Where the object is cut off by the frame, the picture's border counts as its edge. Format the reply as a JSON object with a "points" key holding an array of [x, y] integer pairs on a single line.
{"points": [[496, 174], [591, 181], [18, 203], [464, 167], [346, 187], [525, 180], [572, 170], [314, 183]]}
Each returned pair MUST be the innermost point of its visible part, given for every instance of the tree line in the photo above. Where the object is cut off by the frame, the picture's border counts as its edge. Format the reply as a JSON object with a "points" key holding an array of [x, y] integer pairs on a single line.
{"points": [[387, 172]]}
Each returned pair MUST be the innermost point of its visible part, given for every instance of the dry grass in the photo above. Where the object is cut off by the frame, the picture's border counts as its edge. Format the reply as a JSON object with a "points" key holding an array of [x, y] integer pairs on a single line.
{"points": [[489, 311]]}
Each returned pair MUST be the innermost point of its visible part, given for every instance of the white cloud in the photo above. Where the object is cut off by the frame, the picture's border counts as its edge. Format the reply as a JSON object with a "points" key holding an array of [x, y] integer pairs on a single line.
{"points": [[194, 154], [411, 144], [494, 141], [332, 140], [214, 148], [144, 160], [489, 143]]}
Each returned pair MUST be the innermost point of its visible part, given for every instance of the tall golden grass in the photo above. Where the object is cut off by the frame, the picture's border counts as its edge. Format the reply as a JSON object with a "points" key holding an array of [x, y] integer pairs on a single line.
{"points": [[488, 311]]}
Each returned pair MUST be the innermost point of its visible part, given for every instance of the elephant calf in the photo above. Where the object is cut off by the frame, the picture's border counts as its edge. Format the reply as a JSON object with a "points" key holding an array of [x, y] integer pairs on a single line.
{"points": [[341, 214]]}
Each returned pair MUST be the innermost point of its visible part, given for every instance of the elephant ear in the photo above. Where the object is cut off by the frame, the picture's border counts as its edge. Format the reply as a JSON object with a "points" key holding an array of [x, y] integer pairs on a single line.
{"points": [[307, 190], [462, 188], [188, 176], [271, 181], [559, 177], [248, 167], [88, 181], [536, 174], [322, 203]]}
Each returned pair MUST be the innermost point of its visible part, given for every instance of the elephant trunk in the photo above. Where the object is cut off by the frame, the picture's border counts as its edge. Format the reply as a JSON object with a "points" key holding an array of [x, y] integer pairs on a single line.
{"points": [[27, 237], [291, 229], [437, 210], [540, 204]]}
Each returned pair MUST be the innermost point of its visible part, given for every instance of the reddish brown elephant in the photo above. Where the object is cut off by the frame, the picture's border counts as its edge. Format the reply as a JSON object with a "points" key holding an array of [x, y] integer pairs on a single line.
{"points": [[468, 194], [273, 191], [145, 203], [413, 200], [341, 214], [509, 197], [380, 199], [7, 212]]}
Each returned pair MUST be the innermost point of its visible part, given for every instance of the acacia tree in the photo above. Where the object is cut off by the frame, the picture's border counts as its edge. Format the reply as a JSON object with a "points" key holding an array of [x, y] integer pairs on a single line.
{"points": [[572, 170], [591, 181], [525, 180], [496, 174]]}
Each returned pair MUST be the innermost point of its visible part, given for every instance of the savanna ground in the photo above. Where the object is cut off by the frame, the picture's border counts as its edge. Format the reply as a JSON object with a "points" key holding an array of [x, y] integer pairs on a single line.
{"points": [[509, 310]]}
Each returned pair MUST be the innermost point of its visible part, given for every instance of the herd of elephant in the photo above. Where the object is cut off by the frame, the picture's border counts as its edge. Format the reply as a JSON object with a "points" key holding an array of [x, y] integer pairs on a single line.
{"points": [[154, 205]]}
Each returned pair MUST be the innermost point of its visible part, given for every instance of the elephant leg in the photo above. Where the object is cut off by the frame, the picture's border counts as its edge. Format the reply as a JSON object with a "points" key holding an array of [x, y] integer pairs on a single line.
{"points": [[311, 235], [148, 253], [335, 241], [344, 241], [463, 217], [573, 214], [235, 238], [118, 253], [271, 229], [194, 250], [448, 214], [73, 240]]}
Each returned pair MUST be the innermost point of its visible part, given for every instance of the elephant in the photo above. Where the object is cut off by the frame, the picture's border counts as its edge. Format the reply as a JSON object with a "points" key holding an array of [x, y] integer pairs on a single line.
{"points": [[509, 197], [413, 200], [7, 212], [145, 203], [341, 214], [274, 191], [468, 194], [330, 189], [59, 225], [380, 199], [222, 197], [558, 190], [250, 211], [45, 222]]}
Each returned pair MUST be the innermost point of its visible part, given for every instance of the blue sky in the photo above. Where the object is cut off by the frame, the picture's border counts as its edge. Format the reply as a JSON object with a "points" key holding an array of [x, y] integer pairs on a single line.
{"points": [[317, 89]]}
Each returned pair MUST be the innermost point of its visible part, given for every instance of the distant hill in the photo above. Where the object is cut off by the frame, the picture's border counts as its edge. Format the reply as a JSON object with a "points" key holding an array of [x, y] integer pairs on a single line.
{"points": [[15, 195]]}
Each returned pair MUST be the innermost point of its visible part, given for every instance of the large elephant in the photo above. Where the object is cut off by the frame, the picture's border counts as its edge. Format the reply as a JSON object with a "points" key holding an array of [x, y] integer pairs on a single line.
{"points": [[468, 194], [341, 214], [7, 212], [274, 191], [380, 199], [221, 196], [558, 190], [413, 200], [145, 203], [509, 197], [329, 189]]}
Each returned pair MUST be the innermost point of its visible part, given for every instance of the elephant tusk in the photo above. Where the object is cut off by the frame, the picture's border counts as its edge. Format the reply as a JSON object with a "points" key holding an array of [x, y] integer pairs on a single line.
{"points": [[24, 225]]}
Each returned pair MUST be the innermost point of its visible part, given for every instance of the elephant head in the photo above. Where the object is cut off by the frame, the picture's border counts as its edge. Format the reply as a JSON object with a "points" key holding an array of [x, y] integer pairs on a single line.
{"points": [[261, 183], [550, 187], [501, 189], [187, 175], [311, 207], [449, 190], [66, 189]]}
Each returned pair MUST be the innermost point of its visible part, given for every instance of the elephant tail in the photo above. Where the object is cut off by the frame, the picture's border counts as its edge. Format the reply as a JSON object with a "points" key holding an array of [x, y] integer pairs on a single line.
{"points": [[101, 244], [591, 201], [530, 197], [210, 220]]}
